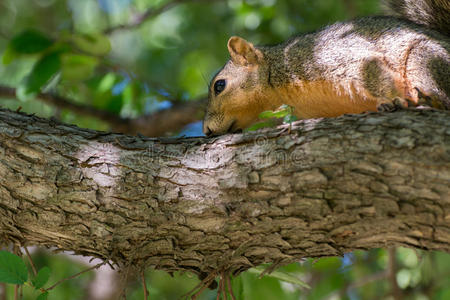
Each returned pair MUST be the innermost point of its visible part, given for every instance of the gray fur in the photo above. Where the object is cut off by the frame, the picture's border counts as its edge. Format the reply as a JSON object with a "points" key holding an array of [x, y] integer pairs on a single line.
{"points": [[367, 61]]}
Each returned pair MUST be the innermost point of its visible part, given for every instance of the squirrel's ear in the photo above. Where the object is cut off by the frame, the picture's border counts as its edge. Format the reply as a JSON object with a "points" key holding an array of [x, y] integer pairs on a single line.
{"points": [[243, 52]]}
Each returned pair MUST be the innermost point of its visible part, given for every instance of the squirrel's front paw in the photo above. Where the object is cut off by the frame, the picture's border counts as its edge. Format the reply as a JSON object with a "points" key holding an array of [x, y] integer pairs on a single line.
{"points": [[396, 104]]}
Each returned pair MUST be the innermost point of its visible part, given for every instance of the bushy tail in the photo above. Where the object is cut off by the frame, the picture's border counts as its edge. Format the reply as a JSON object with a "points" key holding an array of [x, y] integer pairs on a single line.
{"points": [[431, 13]]}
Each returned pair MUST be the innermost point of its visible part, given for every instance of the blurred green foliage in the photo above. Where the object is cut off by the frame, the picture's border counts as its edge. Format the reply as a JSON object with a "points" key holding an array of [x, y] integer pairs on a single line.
{"points": [[60, 46], [419, 274]]}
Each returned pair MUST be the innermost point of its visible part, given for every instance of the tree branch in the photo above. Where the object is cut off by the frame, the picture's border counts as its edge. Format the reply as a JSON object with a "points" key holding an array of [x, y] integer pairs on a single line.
{"points": [[150, 13], [61, 102], [231, 202], [396, 292], [156, 124]]}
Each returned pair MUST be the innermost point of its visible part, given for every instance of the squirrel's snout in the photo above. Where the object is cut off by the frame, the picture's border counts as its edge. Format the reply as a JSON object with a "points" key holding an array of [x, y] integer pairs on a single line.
{"points": [[206, 128], [207, 131], [211, 128]]}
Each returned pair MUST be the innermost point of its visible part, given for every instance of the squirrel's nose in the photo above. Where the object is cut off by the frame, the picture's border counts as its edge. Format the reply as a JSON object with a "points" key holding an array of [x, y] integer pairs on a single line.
{"points": [[207, 131]]}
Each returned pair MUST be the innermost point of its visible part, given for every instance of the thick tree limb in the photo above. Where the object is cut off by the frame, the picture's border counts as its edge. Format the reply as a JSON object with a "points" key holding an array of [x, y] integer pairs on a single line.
{"points": [[156, 124], [232, 202]]}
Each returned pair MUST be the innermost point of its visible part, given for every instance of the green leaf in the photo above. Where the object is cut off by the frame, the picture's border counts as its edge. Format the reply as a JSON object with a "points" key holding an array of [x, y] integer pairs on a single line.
{"points": [[30, 42], [286, 107], [77, 67], [95, 44], [12, 268], [238, 286], [106, 83], [327, 264], [43, 70], [8, 56], [290, 119], [280, 276], [115, 104], [42, 296], [41, 278], [266, 114], [260, 125], [283, 111]]}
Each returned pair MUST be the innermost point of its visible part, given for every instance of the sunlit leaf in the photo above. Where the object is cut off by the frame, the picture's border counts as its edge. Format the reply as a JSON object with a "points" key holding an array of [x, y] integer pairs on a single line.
{"points": [[42, 72], [77, 67], [8, 56], [132, 94], [30, 42], [41, 278], [106, 83], [403, 278], [283, 111], [12, 268], [96, 44], [266, 114], [407, 257], [327, 263], [267, 287], [280, 276], [238, 287], [260, 125]]}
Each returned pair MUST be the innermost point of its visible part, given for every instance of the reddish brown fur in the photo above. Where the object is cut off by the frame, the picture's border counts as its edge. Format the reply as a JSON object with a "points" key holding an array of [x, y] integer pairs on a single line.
{"points": [[348, 67]]}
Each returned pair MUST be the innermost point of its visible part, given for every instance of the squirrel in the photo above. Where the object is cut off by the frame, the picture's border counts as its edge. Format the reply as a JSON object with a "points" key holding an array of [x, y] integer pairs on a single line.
{"points": [[367, 64]]}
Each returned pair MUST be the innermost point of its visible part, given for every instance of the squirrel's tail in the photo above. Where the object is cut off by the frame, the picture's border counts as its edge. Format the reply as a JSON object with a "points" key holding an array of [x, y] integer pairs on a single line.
{"points": [[431, 13]]}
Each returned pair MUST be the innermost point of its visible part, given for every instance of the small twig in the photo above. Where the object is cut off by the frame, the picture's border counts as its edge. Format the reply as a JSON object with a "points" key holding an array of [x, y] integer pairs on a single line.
{"points": [[392, 271], [61, 102], [147, 15], [202, 285], [220, 288], [229, 287], [33, 267], [155, 124], [224, 286], [16, 292], [3, 291], [219, 291], [74, 276], [144, 285], [125, 280], [195, 296]]}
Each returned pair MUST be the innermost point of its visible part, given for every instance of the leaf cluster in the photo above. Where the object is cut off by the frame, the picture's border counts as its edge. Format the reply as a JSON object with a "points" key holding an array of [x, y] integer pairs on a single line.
{"points": [[14, 271]]}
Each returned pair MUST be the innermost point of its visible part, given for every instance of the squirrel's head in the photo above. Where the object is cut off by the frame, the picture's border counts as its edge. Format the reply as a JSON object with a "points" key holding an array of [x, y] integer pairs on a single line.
{"points": [[237, 92]]}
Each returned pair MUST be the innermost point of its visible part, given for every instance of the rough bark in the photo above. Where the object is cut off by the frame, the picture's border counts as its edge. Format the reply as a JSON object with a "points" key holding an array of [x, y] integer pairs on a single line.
{"points": [[231, 202]]}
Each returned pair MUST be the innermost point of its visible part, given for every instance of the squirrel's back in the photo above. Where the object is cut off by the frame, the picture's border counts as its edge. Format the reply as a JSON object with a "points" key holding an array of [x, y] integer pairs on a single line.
{"points": [[354, 66], [348, 67]]}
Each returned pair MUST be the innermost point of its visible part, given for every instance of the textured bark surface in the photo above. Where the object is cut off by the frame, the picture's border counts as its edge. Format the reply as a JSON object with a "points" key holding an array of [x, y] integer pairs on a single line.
{"points": [[231, 202]]}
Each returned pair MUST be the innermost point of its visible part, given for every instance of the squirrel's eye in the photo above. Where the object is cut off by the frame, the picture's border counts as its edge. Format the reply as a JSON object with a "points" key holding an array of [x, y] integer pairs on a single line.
{"points": [[219, 86]]}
